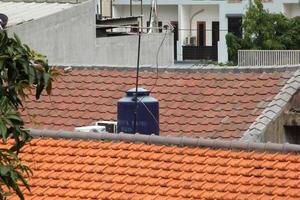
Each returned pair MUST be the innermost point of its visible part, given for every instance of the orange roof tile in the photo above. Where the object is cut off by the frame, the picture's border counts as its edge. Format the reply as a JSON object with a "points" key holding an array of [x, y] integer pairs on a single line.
{"points": [[192, 103], [76, 169]]}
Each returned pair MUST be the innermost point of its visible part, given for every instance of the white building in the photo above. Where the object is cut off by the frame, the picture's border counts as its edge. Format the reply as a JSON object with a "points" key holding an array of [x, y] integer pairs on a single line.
{"points": [[66, 34], [201, 25]]}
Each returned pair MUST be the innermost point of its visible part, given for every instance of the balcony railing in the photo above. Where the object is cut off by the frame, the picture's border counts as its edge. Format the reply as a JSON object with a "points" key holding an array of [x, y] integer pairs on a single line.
{"points": [[268, 57]]}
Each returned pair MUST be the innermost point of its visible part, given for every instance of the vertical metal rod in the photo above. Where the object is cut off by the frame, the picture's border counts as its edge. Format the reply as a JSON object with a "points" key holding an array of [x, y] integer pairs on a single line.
{"points": [[142, 22], [130, 7], [137, 82], [100, 9], [111, 9]]}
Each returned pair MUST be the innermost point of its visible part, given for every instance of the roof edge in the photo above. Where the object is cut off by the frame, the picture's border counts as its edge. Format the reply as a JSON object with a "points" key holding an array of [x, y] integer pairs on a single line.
{"points": [[168, 140], [47, 1], [273, 110], [192, 68]]}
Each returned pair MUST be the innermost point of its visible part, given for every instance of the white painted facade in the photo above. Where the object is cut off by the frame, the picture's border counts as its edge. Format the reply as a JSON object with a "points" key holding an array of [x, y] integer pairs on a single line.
{"points": [[182, 11], [291, 9], [166, 13], [67, 36], [210, 13]]}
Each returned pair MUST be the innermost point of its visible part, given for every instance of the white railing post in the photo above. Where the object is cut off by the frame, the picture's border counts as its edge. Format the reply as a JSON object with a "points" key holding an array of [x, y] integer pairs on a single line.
{"points": [[268, 57]]}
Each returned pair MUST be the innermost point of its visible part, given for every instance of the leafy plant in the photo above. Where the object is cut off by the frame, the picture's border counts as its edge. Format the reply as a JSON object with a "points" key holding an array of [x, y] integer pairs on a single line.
{"points": [[233, 43], [21, 69], [263, 30]]}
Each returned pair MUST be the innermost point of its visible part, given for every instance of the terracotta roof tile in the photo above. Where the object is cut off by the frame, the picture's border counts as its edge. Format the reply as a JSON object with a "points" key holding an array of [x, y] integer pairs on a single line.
{"points": [[215, 105], [77, 169]]}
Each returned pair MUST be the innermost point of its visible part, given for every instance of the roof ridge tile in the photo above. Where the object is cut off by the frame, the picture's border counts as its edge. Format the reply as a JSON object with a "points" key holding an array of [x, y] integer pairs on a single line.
{"points": [[177, 141], [272, 111]]}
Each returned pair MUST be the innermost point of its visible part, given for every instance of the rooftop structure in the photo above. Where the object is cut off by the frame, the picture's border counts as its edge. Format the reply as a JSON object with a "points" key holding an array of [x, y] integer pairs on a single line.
{"points": [[201, 26], [116, 168], [228, 103], [62, 30]]}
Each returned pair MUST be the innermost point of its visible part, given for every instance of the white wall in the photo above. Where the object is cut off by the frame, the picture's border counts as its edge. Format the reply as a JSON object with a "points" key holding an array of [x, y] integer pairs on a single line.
{"points": [[292, 10], [210, 13], [69, 38], [122, 51], [66, 37], [183, 16], [166, 14]]}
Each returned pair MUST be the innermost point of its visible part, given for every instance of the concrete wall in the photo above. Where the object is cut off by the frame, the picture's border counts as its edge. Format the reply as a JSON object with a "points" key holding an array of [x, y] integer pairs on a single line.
{"points": [[66, 38], [104, 8], [69, 38], [292, 10], [275, 131], [183, 16], [125, 50], [166, 14]]}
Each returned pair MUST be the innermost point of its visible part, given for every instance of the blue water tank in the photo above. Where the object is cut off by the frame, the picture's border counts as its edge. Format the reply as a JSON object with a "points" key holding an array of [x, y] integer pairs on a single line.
{"points": [[147, 120]]}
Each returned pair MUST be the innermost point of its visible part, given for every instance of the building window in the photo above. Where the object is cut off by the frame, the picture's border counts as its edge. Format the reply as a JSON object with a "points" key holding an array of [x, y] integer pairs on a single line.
{"points": [[201, 34], [235, 25], [134, 30], [215, 33], [292, 134], [159, 25]]}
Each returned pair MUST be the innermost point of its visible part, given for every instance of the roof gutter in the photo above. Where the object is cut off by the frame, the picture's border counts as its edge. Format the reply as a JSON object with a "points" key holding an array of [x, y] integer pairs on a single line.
{"points": [[170, 141]]}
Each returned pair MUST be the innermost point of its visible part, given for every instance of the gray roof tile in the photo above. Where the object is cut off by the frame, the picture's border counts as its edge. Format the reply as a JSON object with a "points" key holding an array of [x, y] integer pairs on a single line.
{"points": [[273, 110]]}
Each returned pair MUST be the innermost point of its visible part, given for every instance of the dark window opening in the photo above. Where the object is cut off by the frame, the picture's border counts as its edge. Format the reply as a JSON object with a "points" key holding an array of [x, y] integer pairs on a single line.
{"points": [[292, 134], [134, 30], [201, 34], [215, 33], [175, 25], [159, 25], [235, 26]]}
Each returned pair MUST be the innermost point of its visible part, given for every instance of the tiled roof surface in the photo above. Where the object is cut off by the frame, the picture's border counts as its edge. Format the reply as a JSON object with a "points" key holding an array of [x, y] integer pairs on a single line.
{"points": [[77, 169], [273, 110], [193, 103]]}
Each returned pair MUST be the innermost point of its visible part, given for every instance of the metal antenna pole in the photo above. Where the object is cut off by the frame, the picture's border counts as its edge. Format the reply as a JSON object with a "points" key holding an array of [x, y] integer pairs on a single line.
{"points": [[141, 7], [111, 9], [130, 7], [142, 22], [100, 9], [137, 83]]}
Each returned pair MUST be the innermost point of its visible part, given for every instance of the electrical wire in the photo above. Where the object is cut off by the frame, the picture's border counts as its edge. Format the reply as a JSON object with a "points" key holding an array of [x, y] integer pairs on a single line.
{"points": [[155, 83], [156, 61], [140, 27], [156, 64], [152, 115]]}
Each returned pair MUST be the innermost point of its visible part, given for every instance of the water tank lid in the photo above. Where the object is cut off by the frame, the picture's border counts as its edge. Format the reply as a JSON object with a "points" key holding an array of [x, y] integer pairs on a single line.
{"points": [[140, 92]]}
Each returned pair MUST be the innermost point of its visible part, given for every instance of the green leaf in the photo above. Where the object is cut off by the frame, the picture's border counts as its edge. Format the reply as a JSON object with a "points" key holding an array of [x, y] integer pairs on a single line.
{"points": [[3, 130], [49, 87], [39, 90], [4, 170], [15, 117], [46, 77], [20, 68], [17, 39]]}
